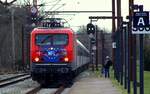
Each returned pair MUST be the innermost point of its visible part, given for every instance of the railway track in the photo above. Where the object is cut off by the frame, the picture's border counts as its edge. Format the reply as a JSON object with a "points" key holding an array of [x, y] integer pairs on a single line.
{"points": [[14, 79], [59, 90], [38, 88], [34, 90]]}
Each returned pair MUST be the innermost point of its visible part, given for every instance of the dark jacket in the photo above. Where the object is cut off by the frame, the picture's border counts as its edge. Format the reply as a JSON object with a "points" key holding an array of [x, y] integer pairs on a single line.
{"points": [[107, 64]]}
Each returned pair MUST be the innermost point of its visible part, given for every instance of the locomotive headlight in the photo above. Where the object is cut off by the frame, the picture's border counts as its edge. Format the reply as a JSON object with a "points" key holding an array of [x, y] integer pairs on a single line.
{"points": [[66, 59], [37, 59]]}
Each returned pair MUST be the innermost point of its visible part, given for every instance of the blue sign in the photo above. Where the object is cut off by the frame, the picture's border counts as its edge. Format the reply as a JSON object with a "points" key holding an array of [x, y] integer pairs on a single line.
{"points": [[141, 24], [141, 19]]}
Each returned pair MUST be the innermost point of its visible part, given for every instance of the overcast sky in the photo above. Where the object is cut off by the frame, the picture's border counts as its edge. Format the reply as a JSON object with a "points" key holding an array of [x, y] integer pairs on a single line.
{"points": [[78, 5], [82, 19]]}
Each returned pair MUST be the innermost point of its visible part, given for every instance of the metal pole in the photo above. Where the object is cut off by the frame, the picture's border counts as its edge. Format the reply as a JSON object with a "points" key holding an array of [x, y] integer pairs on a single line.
{"points": [[125, 57], [91, 56], [134, 71], [131, 44], [113, 35], [134, 67], [118, 65], [102, 46], [13, 37], [119, 52], [141, 61], [35, 3], [118, 13], [141, 66], [93, 62], [96, 48], [73, 11], [128, 59], [122, 53]]}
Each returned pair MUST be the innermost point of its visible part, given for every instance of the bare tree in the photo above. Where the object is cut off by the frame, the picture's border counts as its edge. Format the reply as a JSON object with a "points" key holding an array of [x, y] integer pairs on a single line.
{"points": [[23, 2], [7, 3]]}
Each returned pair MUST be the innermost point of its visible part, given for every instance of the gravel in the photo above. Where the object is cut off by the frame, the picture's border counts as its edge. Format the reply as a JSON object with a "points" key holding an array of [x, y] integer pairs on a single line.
{"points": [[19, 88], [27, 85], [7, 76], [52, 90]]}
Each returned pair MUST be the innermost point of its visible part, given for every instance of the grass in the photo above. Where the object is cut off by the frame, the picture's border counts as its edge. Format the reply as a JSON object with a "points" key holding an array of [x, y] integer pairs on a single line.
{"points": [[121, 88], [124, 91], [147, 82], [116, 84]]}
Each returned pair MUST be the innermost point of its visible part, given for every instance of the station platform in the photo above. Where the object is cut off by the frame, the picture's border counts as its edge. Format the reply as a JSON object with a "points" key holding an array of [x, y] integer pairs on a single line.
{"points": [[93, 85]]}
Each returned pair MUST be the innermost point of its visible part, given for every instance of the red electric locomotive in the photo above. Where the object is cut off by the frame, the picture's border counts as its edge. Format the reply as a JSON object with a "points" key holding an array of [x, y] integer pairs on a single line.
{"points": [[56, 54]]}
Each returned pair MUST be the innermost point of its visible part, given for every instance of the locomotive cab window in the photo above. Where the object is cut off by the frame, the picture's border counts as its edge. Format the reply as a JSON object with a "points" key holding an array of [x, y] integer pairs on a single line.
{"points": [[60, 39], [51, 39]]}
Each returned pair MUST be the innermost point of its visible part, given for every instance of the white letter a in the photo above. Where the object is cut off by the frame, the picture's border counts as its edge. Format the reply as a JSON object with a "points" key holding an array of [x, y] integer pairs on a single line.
{"points": [[141, 21]]}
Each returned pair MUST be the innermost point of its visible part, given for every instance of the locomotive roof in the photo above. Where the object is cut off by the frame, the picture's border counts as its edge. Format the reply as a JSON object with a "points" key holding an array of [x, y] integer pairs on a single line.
{"points": [[50, 30]]}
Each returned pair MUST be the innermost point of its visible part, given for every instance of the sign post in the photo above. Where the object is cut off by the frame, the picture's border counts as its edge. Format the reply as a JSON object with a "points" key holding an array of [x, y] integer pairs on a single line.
{"points": [[91, 32], [141, 25]]}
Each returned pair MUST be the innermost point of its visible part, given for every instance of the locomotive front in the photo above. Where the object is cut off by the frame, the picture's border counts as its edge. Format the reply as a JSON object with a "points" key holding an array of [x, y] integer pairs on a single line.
{"points": [[51, 53]]}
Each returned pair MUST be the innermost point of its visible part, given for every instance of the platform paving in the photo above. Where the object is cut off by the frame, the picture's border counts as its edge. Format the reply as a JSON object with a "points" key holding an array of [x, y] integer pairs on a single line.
{"points": [[94, 85]]}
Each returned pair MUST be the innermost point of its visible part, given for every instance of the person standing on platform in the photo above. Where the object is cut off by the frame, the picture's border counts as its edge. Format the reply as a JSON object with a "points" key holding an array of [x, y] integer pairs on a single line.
{"points": [[107, 65]]}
